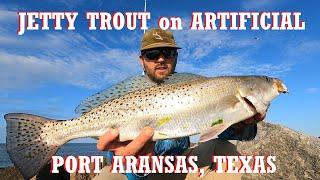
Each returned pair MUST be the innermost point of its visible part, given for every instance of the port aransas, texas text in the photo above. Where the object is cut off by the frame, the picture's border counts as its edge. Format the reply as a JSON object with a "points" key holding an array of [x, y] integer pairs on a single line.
{"points": [[164, 164]]}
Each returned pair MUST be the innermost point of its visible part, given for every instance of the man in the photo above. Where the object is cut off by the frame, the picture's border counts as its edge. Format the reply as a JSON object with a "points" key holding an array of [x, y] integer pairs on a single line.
{"points": [[158, 59]]}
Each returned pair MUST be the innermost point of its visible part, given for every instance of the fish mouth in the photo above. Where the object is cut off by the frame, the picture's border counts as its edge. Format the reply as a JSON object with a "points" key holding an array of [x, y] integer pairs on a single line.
{"points": [[280, 86]]}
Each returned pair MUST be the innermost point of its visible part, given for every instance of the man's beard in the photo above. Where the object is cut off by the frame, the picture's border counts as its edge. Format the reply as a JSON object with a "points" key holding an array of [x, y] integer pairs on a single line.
{"points": [[154, 77]]}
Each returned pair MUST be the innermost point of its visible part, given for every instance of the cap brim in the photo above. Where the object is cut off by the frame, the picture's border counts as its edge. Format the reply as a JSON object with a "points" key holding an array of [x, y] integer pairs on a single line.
{"points": [[157, 45]]}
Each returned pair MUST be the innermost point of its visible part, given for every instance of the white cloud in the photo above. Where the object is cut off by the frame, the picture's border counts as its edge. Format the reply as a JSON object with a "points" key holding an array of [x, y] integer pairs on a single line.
{"points": [[198, 44], [73, 4], [67, 58], [195, 46], [312, 90], [91, 71], [45, 43], [11, 101], [7, 16], [235, 55], [8, 20], [303, 48], [132, 38], [260, 4], [71, 58], [64, 57], [235, 65]]}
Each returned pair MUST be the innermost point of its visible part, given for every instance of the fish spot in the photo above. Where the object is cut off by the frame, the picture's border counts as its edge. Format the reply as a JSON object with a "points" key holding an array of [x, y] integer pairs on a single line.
{"points": [[219, 121], [28, 155], [162, 134], [113, 126], [163, 121]]}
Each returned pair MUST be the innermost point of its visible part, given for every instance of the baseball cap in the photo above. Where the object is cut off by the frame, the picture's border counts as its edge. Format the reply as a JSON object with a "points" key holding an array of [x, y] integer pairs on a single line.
{"points": [[157, 37]]}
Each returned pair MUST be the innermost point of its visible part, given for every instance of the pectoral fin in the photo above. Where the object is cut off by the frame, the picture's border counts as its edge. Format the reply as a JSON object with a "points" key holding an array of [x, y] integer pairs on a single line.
{"points": [[159, 135], [213, 132]]}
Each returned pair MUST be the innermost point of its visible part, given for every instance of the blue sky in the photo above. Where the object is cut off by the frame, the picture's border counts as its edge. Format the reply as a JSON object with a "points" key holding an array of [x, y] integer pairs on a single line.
{"points": [[49, 72]]}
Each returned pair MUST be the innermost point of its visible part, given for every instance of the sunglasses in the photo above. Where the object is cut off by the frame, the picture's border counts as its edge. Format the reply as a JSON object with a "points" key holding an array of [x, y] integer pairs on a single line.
{"points": [[155, 53]]}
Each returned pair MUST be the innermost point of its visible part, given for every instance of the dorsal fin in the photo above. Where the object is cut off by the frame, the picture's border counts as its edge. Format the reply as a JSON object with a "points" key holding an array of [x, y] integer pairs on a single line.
{"points": [[130, 85], [117, 90], [182, 77]]}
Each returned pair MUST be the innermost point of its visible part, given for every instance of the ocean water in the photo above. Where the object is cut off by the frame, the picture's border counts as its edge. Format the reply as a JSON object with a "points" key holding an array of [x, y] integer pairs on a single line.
{"points": [[71, 149]]}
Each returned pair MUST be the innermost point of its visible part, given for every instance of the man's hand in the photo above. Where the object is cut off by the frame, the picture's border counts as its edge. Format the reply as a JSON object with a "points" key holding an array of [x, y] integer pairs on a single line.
{"points": [[142, 145]]}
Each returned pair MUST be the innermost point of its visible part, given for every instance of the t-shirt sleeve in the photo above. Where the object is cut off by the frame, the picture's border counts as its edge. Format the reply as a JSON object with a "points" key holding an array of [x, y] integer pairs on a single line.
{"points": [[171, 146], [249, 133]]}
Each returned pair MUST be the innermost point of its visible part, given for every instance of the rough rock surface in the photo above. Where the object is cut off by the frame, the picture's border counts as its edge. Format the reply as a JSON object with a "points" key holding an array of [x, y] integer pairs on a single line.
{"points": [[10, 173], [297, 155]]}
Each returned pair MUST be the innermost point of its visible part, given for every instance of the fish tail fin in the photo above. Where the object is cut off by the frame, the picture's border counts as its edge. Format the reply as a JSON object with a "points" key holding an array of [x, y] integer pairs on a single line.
{"points": [[30, 143]]}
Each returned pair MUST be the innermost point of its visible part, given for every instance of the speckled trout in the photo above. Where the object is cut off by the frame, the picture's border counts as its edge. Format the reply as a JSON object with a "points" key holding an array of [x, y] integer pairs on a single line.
{"points": [[183, 105]]}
